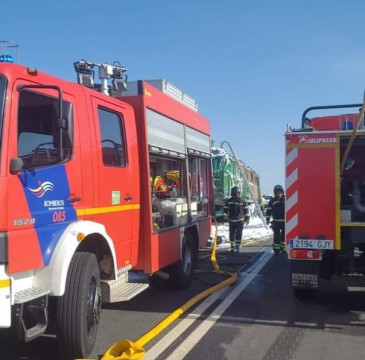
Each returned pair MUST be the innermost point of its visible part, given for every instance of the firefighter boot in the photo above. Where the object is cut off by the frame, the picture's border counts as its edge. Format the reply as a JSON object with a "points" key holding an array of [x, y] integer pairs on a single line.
{"points": [[282, 248], [233, 249], [276, 248]]}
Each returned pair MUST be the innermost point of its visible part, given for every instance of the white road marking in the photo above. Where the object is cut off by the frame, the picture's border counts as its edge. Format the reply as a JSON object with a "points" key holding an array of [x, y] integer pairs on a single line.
{"points": [[186, 346]]}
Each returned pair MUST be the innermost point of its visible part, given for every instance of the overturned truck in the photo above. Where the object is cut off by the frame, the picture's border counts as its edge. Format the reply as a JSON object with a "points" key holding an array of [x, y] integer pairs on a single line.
{"points": [[228, 171]]}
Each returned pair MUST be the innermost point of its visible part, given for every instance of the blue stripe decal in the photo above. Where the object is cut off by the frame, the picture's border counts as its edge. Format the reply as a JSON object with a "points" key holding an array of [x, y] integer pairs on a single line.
{"points": [[46, 191]]}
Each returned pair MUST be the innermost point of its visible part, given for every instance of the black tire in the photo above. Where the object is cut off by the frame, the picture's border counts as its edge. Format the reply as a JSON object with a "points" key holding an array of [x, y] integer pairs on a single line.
{"points": [[181, 272], [158, 282], [306, 294], [78, 312]]}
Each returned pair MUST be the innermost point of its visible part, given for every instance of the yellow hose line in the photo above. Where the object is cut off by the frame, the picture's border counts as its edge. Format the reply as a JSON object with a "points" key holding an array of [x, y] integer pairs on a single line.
{"points": [[173, 316], [127, 349], [213, 257]]}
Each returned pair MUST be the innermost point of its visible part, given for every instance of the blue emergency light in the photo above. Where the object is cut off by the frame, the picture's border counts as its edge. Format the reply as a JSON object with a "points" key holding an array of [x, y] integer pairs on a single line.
{"points": [[6, 58]]}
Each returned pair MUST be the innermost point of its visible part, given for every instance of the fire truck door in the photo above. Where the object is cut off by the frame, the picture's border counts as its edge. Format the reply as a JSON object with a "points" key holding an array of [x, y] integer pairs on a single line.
{"points": [[118, 176], [40, 200]]}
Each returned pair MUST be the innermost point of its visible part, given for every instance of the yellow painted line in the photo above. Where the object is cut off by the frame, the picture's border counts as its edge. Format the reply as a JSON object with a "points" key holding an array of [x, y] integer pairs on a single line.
{"points": [[353, 224], [107, 209], [4, 283], [319, 145]]}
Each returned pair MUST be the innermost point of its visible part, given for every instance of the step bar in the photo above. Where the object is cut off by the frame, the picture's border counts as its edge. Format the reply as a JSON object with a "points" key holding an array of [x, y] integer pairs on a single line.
{"points": [[122, 288]]}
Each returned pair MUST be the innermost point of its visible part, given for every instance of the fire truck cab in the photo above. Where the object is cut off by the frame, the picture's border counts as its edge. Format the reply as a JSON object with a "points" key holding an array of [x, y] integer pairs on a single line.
{"points": [[97, 182], [325, 194]]}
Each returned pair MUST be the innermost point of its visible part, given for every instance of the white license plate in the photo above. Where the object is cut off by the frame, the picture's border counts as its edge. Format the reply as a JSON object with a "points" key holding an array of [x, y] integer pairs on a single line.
{"points": [[311, 244]]}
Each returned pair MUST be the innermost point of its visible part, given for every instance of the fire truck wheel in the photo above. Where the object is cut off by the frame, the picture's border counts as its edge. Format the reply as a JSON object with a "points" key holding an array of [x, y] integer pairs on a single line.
{"points": [[78, 312], [158, 282], [182, 271], [306, 294]]}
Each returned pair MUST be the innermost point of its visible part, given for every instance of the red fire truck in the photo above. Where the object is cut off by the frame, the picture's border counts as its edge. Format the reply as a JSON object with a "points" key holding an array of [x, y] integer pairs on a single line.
{"points": [[325, 194], [97, 182]]}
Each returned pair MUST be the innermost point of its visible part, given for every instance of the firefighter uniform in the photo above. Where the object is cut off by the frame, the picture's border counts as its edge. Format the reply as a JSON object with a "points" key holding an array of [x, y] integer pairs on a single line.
{"points": [[236, 211], [276, 209]]}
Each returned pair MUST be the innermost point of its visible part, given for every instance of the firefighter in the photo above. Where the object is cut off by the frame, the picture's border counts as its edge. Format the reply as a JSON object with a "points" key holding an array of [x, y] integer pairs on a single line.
{"points": [[276, 209], [235, 209]]}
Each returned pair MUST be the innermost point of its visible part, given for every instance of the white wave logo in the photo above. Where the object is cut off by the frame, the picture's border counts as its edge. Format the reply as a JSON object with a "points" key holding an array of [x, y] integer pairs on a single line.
{"points": [[42, 188]]}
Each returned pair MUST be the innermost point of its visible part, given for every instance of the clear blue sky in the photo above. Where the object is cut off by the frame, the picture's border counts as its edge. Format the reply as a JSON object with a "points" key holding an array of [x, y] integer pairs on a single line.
{"points": [[254, 66]]}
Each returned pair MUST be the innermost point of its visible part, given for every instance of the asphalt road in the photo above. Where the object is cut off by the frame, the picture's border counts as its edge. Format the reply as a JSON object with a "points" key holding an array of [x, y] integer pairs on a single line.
{"points": [[258, 318]]}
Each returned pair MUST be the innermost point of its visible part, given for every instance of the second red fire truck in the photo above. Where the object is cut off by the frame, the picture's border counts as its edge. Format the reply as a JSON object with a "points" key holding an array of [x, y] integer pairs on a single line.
{"points": [[96, 181], [325, 200]]}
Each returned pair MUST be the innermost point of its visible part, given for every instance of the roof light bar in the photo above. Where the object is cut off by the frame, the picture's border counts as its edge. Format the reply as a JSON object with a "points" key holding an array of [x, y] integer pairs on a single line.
{"points": [[85, 73], [85, 76], [9, 51]]}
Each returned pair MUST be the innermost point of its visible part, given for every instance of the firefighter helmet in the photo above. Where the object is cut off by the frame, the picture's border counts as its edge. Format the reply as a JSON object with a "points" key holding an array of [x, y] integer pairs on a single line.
{"points": [[234, 190], [278, 188]]}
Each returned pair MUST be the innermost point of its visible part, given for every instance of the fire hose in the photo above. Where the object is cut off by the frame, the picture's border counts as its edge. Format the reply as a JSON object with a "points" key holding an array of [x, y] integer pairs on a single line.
{"points": [[127, 349]]}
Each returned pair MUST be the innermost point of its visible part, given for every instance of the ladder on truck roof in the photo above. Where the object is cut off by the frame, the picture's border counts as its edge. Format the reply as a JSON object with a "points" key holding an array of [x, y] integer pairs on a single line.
{"points": [[257, 205]]}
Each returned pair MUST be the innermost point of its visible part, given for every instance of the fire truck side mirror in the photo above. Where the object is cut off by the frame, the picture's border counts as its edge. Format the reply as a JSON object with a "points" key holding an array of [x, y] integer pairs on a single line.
{"points": [[16, 165]]}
